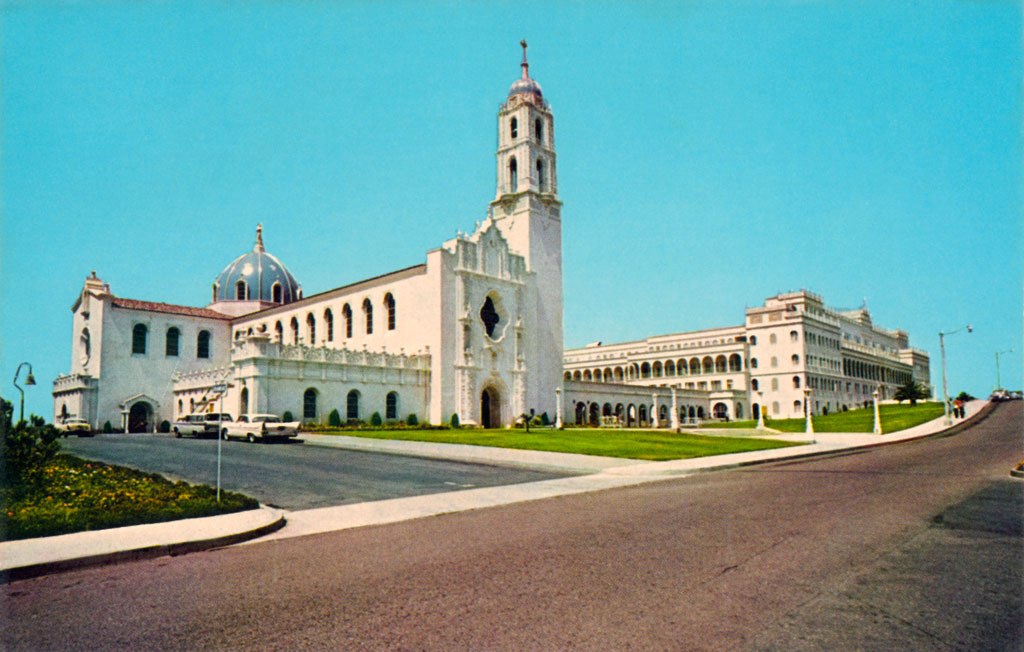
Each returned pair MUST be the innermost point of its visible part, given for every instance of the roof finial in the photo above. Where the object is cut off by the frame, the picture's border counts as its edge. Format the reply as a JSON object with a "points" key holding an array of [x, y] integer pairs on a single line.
{"points": [[524, 64], [259, 238]]}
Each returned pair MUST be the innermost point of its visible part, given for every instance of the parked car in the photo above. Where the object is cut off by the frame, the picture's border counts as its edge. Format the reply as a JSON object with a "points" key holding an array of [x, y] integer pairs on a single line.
{"points": [[75, 425], [999, 395], [260, 427], [190, 424], [214, 421]]}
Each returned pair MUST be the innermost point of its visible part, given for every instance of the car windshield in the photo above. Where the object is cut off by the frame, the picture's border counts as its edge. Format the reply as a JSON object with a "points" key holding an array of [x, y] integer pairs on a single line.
{"points": [[267, 418]]}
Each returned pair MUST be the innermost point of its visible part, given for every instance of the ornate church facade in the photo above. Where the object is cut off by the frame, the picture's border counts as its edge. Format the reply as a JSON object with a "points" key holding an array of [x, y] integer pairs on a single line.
{"points": [[475, 331]]}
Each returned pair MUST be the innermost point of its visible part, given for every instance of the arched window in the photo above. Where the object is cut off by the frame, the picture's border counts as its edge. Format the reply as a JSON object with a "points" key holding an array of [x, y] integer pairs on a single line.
{"points": [[541, 182], [391, 405], [513, 128], [368, 315], [797, 406], [753, 340], [139, 333], [753, 384], [171, 346], [191, 405], [587, 375], [576, 375], [735, 362], [513, 175], [793, 336], [567, 376], [241, 290], [772, 339], [708, 364], [796, 382], [295, 331], [311, 328], [670, 368], [645, 370], [775, 407], [346, 312], [618, 374], [329, 324], [720, 411], [243, 401], [720, 364], [753, 363], [775, 362], [694, 366], [656, 370], [275, 293], [389, 303], [352, 405], [775, 384], [309, 404], [795, 359], [538, 130], [681, 367], [279, 329]]}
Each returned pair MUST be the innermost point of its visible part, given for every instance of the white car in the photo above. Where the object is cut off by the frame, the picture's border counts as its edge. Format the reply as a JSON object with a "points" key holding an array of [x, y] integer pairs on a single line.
{"points": [[260, 427], [75, 425]]}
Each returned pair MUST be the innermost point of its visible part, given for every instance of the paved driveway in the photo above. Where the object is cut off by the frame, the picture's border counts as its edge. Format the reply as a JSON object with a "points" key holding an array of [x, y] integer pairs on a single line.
{"points": [[293, 475]]}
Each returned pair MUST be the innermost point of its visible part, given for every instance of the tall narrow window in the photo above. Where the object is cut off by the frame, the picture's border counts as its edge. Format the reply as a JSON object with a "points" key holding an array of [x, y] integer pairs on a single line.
{"points": [[309, 404], [389, 303], [275, 293], [171, 346], [139, 332], [311, 328], [352, 405], [541, 181], [203, 344], [513, 128], [368, 314], [279, 329], [538, 130], [346, 312], [329, 323], [391, 406], [513, 175], [241, 291], [295, 331]]}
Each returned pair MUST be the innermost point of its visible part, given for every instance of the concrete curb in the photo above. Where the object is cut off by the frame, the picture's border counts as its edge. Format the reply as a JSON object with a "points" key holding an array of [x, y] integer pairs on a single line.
{"points": [[214, 532]]}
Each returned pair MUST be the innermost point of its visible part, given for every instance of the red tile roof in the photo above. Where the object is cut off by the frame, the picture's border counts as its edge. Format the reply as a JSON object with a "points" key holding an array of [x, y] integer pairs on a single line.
{"points": [[132, 304]]}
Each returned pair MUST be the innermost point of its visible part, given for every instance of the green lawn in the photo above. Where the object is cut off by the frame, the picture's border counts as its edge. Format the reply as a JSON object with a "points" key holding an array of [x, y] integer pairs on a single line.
{"points": [[894, 417], [610, 442]]}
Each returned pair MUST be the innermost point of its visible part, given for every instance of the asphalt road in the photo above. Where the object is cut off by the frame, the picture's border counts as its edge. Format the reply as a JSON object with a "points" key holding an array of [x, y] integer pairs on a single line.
{"points": [[915, 546], [293, 475]]}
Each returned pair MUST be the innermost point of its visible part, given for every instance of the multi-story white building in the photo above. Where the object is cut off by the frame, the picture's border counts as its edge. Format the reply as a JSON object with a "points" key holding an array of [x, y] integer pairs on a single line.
{"points": [[474, 331], [790, 350]]}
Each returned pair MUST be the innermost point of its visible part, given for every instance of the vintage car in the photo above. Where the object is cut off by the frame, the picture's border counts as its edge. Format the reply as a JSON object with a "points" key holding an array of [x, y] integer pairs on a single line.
{"points": [[260, 427], [75, 425], [199, 425]]}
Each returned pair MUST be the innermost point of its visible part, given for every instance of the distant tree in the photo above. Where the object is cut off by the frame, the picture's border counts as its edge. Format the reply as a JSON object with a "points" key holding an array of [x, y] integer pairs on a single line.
{"points": [[964, 396], [334, 419], [910, 391]]}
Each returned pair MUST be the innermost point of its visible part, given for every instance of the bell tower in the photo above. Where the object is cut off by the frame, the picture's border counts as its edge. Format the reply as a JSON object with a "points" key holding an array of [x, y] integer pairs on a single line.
{"points": [[527, 210]]}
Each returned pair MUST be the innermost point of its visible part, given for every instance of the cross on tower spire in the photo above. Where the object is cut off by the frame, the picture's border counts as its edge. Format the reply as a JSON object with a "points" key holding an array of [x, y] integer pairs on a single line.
{"points": [[525, 65], [259, 238]]}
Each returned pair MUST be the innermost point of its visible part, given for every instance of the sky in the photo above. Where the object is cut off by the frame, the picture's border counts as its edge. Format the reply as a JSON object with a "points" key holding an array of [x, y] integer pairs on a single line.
{"points": [[710, 154]]}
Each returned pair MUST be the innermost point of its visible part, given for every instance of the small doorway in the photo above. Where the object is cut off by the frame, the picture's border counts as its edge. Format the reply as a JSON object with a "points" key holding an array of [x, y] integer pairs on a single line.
{"points": [[490, 415], [140, 417]]}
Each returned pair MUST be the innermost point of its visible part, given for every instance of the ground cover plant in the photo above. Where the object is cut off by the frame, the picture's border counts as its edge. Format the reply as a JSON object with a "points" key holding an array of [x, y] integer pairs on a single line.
{"points": [[44, 492], [894, 418], [610, 442]]}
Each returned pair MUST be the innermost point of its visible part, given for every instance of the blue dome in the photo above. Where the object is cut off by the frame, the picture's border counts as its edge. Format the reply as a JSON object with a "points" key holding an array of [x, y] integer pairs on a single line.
{"points": [[259, 272], [526, 86]]}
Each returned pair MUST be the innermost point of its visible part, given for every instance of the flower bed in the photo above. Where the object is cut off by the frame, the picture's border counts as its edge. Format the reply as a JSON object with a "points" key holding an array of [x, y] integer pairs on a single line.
{"points": [[75, 494]]}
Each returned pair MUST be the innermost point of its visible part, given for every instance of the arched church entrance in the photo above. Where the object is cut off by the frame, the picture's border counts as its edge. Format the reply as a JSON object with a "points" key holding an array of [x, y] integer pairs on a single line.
{"points": [[490, 408], [140, 417]]}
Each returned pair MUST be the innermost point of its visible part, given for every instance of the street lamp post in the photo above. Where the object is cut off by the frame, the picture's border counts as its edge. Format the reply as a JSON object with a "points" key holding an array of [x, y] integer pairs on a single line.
{"points": [[999, 382], [807, 410], [29, 380], [760, 411], [220, 388], [878, 421], [945, 392], [558, 408]]}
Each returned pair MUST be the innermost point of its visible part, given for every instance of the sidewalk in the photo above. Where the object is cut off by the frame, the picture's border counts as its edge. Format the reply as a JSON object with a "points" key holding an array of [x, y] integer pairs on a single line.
{"points": [[33, 557]]}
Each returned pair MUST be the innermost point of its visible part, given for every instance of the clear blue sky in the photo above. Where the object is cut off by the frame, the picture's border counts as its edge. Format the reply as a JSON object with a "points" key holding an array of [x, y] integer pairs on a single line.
{"points": [[710, 154]]}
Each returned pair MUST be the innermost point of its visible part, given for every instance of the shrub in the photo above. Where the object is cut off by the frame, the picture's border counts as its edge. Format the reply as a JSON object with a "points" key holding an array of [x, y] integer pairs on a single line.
{"points": [[25, 450], [412, 420], [334, 419], [165, 426], [107, 428], [375, 419], [455, 420], [545, 420], [287, 416]]}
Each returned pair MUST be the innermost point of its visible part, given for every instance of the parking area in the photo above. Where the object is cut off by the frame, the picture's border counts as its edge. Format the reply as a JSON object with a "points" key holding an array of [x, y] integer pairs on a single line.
{"points": [[293, 475]]}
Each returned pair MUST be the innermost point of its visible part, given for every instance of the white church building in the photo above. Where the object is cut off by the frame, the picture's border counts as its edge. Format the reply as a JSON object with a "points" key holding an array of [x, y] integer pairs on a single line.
{"points": [[474, 331]]}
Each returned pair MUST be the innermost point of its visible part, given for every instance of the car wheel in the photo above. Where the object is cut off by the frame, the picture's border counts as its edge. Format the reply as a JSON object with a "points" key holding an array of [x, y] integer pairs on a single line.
{"points": [[177, 433], [250, 438], [224, 435]]}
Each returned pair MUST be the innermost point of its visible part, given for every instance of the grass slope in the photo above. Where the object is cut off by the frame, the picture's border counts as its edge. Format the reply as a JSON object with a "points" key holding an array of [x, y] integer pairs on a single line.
{"points": [[894, 418], [631, 444]]}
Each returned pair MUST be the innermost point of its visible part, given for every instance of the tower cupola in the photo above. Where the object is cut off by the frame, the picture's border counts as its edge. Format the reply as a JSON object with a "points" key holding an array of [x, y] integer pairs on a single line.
{"points": [[253, 281]]}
